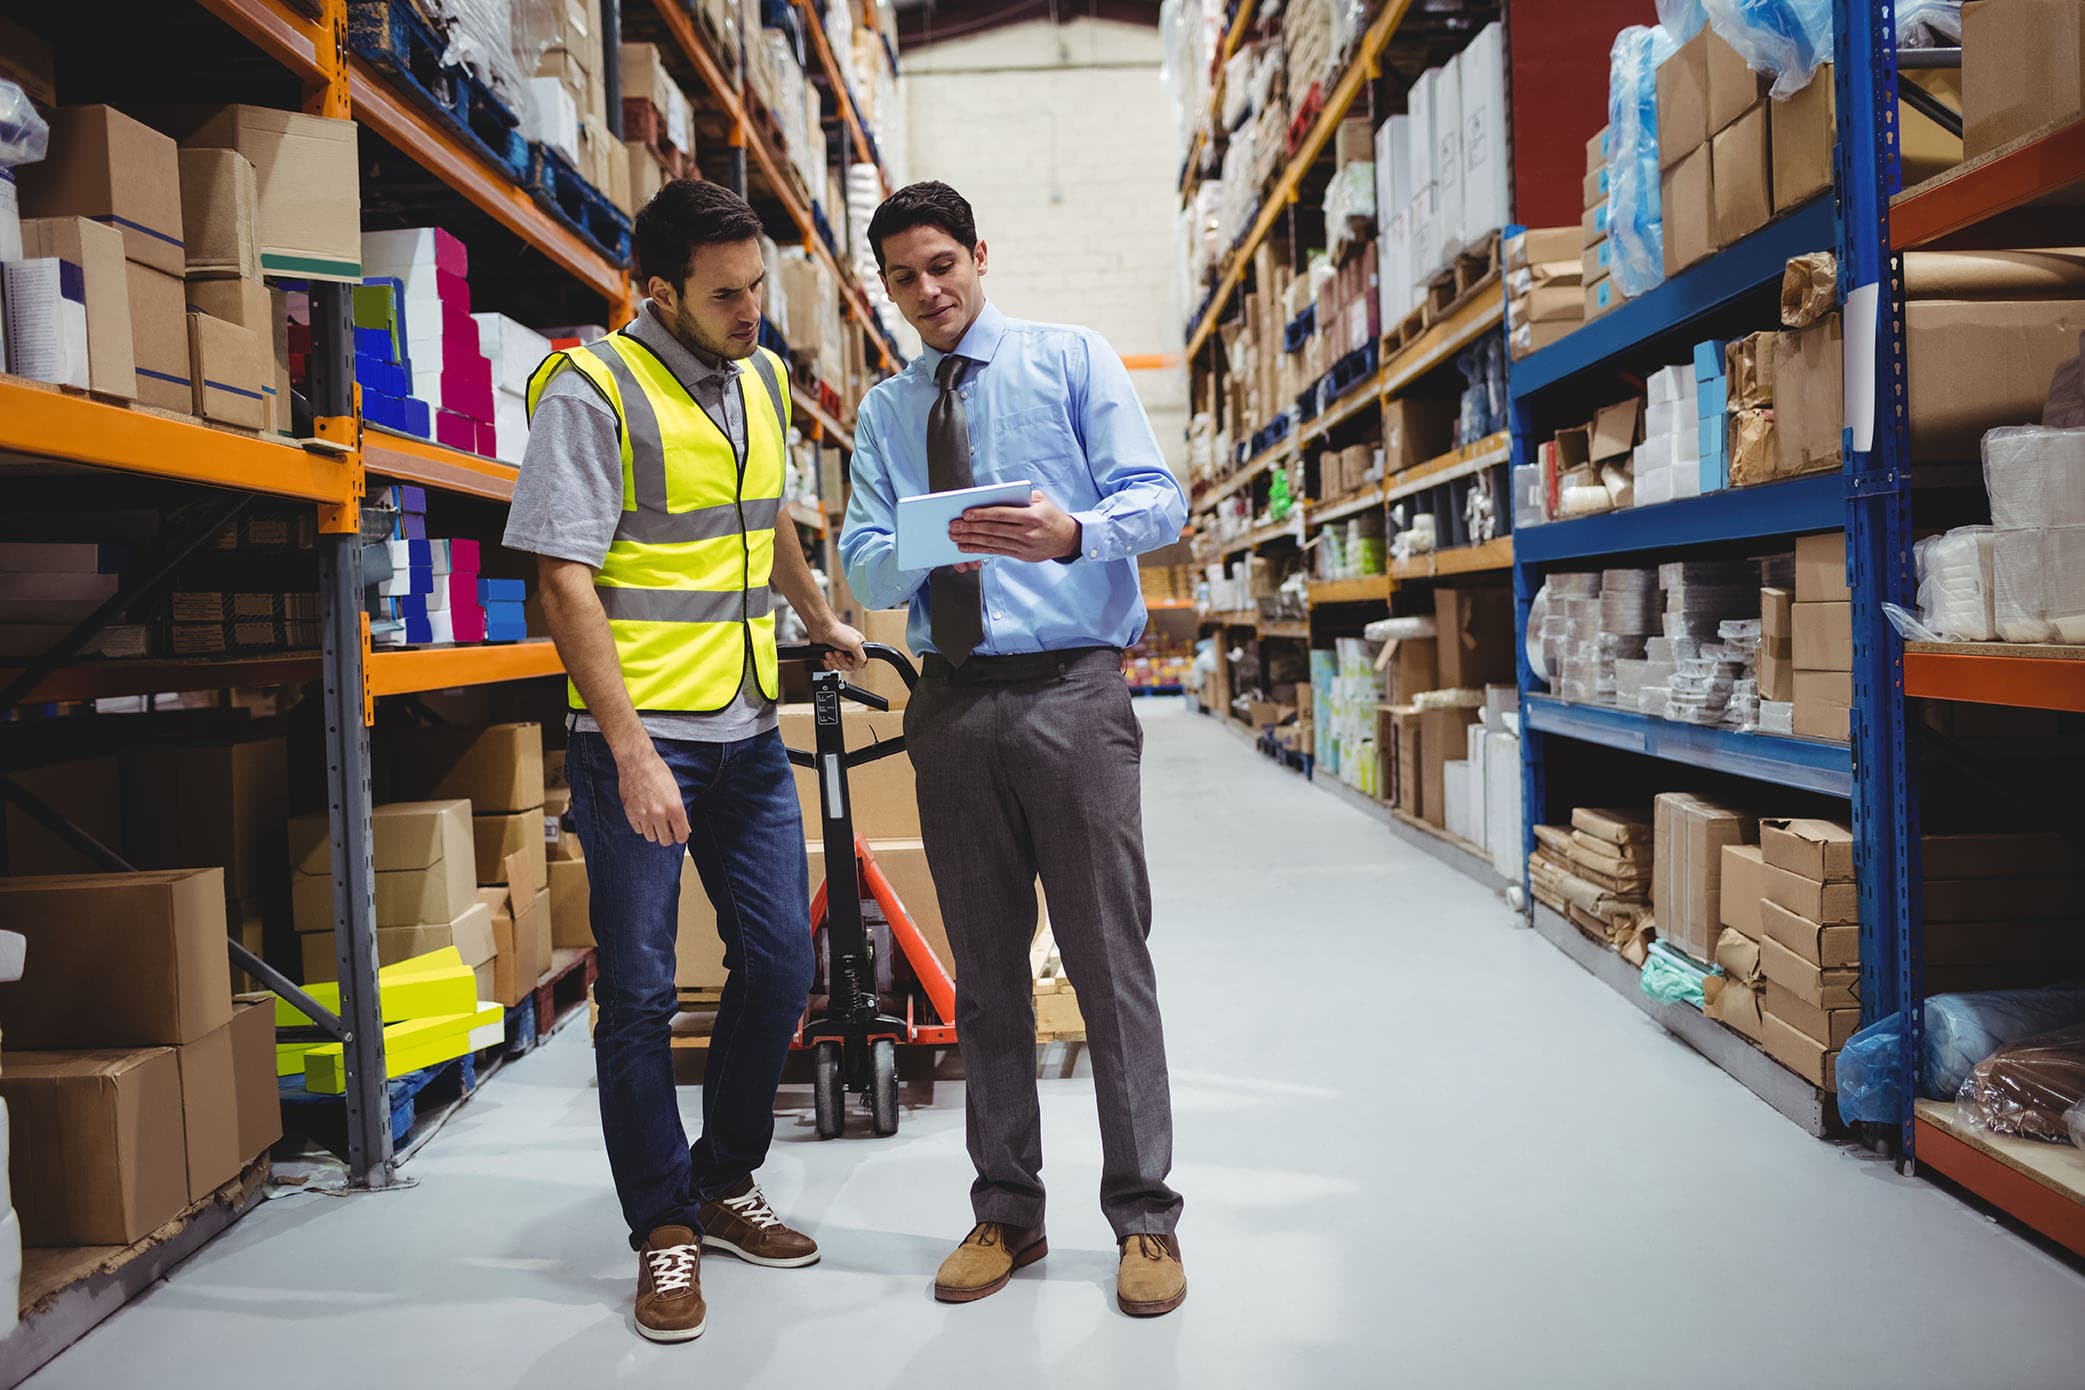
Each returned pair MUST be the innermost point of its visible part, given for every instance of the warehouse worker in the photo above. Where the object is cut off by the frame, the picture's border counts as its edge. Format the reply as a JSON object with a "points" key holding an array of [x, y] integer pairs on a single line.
{"points": [[651, 494], [1023, 740]]}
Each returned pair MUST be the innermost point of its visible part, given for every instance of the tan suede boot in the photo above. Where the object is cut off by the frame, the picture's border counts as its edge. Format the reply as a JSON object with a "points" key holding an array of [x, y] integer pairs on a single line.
{"points": [[986, 1259], [1151, 1279]]}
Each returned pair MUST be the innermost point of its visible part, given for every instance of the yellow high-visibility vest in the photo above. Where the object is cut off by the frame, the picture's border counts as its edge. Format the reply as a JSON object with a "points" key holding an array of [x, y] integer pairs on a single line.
{"points": [[685, 583]]}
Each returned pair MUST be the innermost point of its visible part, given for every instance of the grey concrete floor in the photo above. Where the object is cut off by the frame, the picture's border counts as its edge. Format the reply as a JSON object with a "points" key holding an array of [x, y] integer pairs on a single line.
{"points": [[1419, 1147]]}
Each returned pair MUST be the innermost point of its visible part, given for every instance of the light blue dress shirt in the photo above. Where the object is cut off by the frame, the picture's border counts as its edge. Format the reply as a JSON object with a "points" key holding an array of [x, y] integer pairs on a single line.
{"points": [[1044, 402]]}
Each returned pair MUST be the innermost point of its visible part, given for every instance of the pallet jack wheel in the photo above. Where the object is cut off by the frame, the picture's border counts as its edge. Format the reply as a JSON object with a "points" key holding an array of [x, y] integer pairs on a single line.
{"points": [[883, 1094], [829, 1091]]}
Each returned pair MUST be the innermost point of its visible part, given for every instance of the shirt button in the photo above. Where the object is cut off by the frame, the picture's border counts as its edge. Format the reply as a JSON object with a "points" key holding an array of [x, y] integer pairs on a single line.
{"points": [[1093, 554]]}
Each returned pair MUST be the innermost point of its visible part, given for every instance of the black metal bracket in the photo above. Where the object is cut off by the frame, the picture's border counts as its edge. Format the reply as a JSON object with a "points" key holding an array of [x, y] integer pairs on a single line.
{"points": [[1931, 107]]}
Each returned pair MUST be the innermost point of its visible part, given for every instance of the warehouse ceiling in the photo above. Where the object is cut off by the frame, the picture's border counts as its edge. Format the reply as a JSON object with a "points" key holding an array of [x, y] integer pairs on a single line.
{"points": [[921, 22]]}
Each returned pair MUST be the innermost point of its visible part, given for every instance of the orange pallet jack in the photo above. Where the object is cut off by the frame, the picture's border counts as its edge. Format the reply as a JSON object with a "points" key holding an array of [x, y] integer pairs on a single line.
{"points": [[879, 984]]}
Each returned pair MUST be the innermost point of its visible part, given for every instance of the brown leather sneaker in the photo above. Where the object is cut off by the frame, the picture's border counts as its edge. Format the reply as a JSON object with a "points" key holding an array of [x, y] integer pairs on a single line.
{"points": [[986, 1259], [669, 1286], [1151, 1279], [742, 1223]]}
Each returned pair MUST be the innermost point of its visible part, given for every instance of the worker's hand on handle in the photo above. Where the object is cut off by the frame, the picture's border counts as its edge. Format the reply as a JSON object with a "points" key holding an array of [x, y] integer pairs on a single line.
{"points": [[1037, 532], [846, 644], [651, 797]]}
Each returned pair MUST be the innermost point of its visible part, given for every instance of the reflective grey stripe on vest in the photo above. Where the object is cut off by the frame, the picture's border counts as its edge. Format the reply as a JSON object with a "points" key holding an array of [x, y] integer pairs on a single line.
{"points": [[641, 424], [774, 392], [701, 524], [683, 605]]}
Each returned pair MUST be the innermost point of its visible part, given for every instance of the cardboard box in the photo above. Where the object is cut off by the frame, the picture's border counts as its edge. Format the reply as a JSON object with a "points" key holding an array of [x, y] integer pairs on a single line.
{"points": [[1475, 646], [1986, 363], [1832, 1027], [1820, 569], [1596, 186], [1818, 849], [159, 338], [571, 905], [882, 794], [210, 1111], [116, 960], [1600, 298], [307, 171], [1596, 150], [1416, 429], [498, 768], [245, 302], [2023, 69], [1595, 263], [1540, 246], [1813, 985], [1411, 766], [497, 837], [698, 950], [532, 937], [104, 165], [229, 382], [98, 1138], [220, 214], [647, 176], [1734, 89], [1822, 719], [1809, 399], [904, 864], [1410, 666], [1800, 138], [1836, 947], [1743, 189], [1827, 904], [1443, 739], [1683, 101], [2002, 899], [98, 251], [1825, 689], [560, 833], [1593, 226], [1776, 671], [1750, 368], [1996, 856], [259, 1099], [470, 934], [1804, 1056], [425, 857], [1617, 429], [1742, 890], [25, 60], [1687, 868], [1823, 639], [521, 933], [1687, 201], [203, 803]]}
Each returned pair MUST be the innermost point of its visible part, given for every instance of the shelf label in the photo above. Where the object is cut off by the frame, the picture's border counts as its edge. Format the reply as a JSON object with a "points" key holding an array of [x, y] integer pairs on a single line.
{"points": [[1857, 343]]}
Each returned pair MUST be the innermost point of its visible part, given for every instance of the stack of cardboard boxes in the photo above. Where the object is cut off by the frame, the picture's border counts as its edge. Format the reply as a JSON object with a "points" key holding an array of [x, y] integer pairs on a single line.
{"points": [[1809, 949], [574, 60], [571, 915], [659, 122], [1821, 639], [1473, 650], [423, 860], [1545, 279], [1596, 252], [1597, 872], [1714, 137], [134, 1084]]}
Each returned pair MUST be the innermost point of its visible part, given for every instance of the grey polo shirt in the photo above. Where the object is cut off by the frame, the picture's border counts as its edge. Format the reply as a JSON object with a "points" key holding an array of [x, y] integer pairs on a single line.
{"points": [[569, 497]]}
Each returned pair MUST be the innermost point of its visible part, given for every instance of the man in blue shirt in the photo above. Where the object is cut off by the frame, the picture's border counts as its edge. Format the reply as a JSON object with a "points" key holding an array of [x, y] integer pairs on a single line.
{"points": [[1022, 735]]}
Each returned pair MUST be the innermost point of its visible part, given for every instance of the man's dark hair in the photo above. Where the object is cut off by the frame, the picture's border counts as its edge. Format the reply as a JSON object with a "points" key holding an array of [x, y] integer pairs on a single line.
{"points": [[929, 204], [683, 215]]}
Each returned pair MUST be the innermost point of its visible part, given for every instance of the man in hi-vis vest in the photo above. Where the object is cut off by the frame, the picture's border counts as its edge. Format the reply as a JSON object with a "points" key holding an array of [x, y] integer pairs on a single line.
{"points": [[651, 495]]}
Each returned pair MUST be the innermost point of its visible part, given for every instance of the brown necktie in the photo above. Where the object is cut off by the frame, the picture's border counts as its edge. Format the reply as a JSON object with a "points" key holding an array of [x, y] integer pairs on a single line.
{"points": [[955, 607]]}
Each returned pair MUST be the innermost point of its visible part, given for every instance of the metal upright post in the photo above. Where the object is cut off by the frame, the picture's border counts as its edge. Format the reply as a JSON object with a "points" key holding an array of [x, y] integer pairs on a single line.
{"points": [[612, 63], [1878, 528]]}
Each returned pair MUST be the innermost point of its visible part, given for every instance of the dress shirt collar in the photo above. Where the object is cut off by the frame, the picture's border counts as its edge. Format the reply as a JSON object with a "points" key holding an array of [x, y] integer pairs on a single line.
{"points": [[979, 342], [651, 330]]}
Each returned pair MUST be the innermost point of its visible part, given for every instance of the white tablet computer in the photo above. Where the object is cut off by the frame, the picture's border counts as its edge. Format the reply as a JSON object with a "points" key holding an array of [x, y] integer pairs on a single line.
{"points": [[923, 521]]}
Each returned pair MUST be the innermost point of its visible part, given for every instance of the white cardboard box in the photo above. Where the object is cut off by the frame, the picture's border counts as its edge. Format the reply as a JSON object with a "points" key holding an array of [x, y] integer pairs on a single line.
{"points": [[1502, 804], [1426, 188], [1487, 196], [1447, 160], [46, 308]]}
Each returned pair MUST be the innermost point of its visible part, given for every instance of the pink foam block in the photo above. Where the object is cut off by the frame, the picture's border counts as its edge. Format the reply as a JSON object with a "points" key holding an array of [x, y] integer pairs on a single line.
{"points": [[488, 439], [455, 431], [464, 554]]}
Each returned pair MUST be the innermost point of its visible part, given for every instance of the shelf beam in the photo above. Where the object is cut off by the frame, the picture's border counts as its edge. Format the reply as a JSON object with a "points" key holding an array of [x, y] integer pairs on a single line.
{"points": [[1787, 762], [821, 45], [410, 670], [2005, 179], [2014, 676], [1439, 344], [422, 461], [1814, 503]]}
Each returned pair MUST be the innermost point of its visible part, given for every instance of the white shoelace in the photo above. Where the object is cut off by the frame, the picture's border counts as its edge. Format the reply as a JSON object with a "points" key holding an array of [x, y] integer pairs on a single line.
{"points": [[673, 1267], [754, 1208]]}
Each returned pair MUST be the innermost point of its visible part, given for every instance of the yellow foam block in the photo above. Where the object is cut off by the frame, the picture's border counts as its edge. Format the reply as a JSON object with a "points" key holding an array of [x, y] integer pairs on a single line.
{"points": [[408, 1047], [289, 1056], [434, 985]]}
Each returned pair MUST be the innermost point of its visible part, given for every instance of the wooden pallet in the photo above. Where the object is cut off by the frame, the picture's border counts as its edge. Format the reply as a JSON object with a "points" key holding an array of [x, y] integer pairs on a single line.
{"points": [[1306, 116], [393, 36], [561, 191], [564, 987], [1406, 331], [1057, 1016], [1476, 266]]}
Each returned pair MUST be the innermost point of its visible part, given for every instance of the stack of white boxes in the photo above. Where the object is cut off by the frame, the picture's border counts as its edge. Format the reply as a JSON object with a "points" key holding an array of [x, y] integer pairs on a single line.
{"points": [[515, 351], [450, 372], [1668, 462], [1481, 791]]}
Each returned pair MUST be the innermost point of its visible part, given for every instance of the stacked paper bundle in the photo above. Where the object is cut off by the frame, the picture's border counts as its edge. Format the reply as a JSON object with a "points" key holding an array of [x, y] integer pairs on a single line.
{"points": [[1628, 616], [1556, 625], [2036, 480], [449, 372]]}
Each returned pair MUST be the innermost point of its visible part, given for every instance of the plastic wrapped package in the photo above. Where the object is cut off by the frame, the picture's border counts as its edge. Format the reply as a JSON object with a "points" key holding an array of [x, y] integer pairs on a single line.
{"points": [[2038, 584], [1961, 1031], [1238, 87], [1683, 19], [1634, 225], [1349, 198], [1349, 19], [1954, 585], [1670, 978], [1786, 39], [2065, 408], [1929, 23], [2035, 476], [2025, 1088], [24, 134]]}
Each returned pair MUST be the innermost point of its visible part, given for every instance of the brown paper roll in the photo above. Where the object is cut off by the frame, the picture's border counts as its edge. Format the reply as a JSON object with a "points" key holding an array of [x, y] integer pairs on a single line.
{"points": [[2054, 272]]}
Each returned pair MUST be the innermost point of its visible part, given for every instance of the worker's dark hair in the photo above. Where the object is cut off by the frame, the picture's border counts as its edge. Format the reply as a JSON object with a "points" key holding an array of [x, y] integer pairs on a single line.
{"points": [[929, 204], [683, 215]]}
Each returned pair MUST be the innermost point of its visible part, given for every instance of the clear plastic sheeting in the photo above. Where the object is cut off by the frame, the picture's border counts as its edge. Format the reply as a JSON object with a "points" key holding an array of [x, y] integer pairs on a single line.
{"points": [[2026, 1088], [1785, 39], [2035, 476], [1634, 223], [2038, 584], [2066, 405], [1682, 19], [24, 134], [1929, 23], [1961, 1031], [1955, 585], [1870, 1073], [1670, 978], [499, 41]]}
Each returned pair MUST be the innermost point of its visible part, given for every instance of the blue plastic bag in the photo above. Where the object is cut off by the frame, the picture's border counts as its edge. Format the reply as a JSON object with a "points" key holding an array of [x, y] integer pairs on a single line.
{"points": [[1682, 19], [1871, 1075], [1786, 39], [1961, 1030], [1633, 221]]}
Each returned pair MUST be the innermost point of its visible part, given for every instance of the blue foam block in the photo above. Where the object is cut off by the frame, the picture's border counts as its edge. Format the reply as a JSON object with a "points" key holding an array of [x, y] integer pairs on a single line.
{"points": [[1708, 360], [491, 591]]}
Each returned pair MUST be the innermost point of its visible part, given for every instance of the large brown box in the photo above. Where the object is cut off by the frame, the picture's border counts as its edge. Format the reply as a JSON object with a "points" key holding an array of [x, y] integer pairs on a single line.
{"points": [[1823, 638], [1801, 1054], [210, 1111], [1687, 206], [1800, 131], [1809, 398], [1410, 666], [1831, 1027], [2023, 68], [470, 934], [220, 213], [99, 1146], [104, 165], [1442, 740], [1743, 890], [1814, 985], [229, 373], [1828, 904], [202, 803], [1978, 364], [425, 859], [1683, 101], [237, 300], [253, 1075], [1820, 569], [698, 951], [1834, 947], [1822, 719], [495, 837], [521, 931], [571, 905], [1416, 429], [1744, 193], [1818, 849], [97, 250], [497, 767], [159, 338], [307, 172], [1734, 88], [882, 794], [1687, 868], [1475, 637], [117, 960]]}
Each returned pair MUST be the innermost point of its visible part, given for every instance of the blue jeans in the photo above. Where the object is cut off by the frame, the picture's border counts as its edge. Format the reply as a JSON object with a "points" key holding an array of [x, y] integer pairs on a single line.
{"points": [[746, 835]]}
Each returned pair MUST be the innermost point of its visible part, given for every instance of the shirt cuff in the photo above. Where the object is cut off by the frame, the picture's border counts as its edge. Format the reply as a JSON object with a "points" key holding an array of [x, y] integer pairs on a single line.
{"points": [[1097, 540]]}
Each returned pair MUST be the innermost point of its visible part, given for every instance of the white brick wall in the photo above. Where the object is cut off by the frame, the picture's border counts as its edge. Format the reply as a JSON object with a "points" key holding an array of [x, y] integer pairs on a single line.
{"points": [[1063, 140]]}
